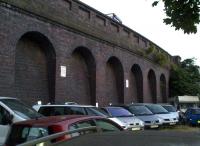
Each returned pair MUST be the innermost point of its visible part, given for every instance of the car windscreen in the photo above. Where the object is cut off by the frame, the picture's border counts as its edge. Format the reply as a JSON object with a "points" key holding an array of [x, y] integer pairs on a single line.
{"points": [[139, 110], [157, 109], [21, 109], [94, 111], [169, 108], [20, 134], [119, 112]]}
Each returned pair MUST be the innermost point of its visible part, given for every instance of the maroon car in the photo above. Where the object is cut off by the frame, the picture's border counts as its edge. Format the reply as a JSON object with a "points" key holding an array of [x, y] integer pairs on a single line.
{"points": [[32, 129]]}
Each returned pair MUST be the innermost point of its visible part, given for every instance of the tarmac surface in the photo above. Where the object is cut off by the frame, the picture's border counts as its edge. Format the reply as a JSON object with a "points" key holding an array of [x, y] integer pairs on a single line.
{"points": [[137, 138]]}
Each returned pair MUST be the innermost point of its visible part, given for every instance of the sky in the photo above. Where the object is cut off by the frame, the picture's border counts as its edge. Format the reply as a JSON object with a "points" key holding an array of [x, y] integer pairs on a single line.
{"points": [[140, 16]]}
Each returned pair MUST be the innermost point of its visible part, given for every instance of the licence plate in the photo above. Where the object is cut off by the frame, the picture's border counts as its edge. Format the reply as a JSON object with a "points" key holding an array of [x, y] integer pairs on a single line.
{"points": [[172, 123], [136, 128], [154, 126]]}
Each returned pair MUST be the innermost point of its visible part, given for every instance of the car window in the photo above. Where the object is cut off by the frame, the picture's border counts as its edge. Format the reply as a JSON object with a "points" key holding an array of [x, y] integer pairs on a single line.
{"points": [[3, 112], [107, 125], [93, 111], [169, 108], [196, 111], [119, 112], [61, 110], [77, 111], [82, 124], [139, 110], [21, 134], [157, 109], [21, 109], [46, 111]]}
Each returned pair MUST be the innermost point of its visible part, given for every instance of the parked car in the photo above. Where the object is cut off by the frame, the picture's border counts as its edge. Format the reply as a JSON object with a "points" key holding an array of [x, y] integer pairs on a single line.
{"points": [[143, 113], [161, 112], [74, 109], [124, 118], [13, 110], [192, 116], [171, 109], [32, 129]]}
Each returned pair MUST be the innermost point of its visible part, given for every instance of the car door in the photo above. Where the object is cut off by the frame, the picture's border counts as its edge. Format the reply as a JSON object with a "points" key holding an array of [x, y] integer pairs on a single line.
{"points": [[81, 124], [4, 127]]}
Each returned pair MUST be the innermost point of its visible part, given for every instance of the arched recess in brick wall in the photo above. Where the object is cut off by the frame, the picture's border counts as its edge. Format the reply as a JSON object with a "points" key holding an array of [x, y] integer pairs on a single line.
{"points": [[35, 67], [163, 91], [136, 84], [114, 81], [83, 81], [152, 86]]}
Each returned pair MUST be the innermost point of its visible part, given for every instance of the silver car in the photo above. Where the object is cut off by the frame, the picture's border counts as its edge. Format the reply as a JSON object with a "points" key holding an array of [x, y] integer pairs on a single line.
{"points": [[171, 109], [124, 118], [167, 117], [143, 113]]}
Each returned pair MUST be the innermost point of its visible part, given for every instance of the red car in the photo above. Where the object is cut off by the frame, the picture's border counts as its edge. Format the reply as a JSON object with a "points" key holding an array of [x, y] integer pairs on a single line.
{"points": [[32, 129]]}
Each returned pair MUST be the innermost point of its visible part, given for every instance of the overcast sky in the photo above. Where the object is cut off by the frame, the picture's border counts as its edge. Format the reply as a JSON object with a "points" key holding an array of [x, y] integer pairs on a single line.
{"points": [[140, 16]]}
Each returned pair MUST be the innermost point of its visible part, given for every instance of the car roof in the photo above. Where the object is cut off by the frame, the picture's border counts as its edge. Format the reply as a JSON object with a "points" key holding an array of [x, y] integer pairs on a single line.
{"points": [[141, 104], [113, 107], [165, 104], [62, 105], [8, 98], [47, 121]]}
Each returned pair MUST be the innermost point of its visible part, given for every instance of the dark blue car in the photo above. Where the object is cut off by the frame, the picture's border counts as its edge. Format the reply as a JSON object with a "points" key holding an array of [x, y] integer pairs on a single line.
{"points": [[192, 116]]}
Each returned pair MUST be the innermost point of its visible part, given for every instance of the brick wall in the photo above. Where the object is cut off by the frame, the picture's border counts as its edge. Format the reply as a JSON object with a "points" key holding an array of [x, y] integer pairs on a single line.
{"points": [[89, 77]]}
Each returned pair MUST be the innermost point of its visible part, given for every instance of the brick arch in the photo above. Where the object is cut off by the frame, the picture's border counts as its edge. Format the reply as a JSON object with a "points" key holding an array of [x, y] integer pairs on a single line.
{"points": [[136, 83], [83, 84], [163, 90], [35, 67], [114, 81], [152, 86]]}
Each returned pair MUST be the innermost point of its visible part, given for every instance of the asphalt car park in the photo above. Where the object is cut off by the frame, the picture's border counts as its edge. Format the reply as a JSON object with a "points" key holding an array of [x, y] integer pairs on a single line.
{"points": [[115, 113], [140, 138]]}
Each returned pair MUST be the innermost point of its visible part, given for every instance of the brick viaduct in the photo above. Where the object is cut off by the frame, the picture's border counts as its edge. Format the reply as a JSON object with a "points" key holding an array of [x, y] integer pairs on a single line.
{"points": [[100, 59]]}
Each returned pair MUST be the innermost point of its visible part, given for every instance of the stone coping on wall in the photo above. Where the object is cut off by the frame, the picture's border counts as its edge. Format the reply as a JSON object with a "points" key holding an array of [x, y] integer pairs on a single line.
{"points": [[85, 19]]}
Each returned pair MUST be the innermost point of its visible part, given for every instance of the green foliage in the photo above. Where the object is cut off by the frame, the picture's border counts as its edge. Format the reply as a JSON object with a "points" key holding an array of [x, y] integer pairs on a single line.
{"points": [[161, 58], [185, 79], [150, 50], [182, 14], [141, 52]]}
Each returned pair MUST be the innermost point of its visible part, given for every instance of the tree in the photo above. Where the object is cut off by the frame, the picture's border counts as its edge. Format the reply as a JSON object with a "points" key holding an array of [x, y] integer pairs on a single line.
{"points": [[181, 14], [185, 79]]}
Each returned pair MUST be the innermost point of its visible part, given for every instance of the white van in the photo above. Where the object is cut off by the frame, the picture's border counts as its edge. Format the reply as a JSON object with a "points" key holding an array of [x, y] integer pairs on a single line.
{"points": [[12, 110]]}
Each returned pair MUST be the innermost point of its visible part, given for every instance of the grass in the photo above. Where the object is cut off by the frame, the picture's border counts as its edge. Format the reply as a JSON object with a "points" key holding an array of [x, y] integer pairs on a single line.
{"points": [[181, 128]]}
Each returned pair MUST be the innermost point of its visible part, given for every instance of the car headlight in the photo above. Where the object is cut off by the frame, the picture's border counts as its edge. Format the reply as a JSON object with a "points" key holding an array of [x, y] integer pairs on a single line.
{"points": [[142, 123], [160, 120]]}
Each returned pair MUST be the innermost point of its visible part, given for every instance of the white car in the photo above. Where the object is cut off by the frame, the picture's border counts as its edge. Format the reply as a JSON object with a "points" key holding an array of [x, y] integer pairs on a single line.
{"points": [[12, 110], [68, 109], [124, 118]]}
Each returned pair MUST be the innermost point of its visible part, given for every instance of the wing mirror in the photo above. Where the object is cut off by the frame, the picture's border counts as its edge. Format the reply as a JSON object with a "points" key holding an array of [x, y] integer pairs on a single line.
{"points": [[7, 119]]}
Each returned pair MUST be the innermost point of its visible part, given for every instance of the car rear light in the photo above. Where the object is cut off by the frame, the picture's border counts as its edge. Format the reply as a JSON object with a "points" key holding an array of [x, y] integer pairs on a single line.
{"points": [[56, 129]]}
